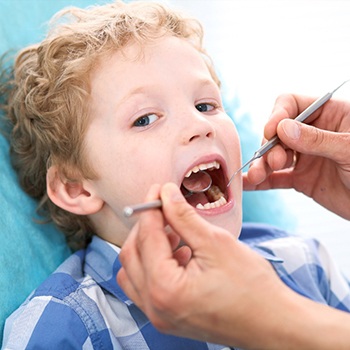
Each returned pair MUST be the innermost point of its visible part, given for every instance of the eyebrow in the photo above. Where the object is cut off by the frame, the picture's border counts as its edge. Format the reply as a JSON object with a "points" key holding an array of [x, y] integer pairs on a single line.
{"points": [[205, 81], [142, 90]]}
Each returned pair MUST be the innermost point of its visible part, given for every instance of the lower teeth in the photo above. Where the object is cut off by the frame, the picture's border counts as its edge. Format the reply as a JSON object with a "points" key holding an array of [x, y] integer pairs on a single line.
{"points": [[212, 205]]}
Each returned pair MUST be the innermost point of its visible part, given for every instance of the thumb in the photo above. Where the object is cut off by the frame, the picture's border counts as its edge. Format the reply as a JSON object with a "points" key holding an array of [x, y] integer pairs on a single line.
{"points": [[183, 218], [310, 140]]}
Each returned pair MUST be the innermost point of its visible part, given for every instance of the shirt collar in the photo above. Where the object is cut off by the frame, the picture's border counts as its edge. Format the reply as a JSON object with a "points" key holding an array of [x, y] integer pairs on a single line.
{"points": [[102, 264], [265, 253]]}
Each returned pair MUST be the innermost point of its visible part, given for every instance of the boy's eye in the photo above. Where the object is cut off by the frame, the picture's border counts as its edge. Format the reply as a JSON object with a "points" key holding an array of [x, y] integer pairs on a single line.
{"points": [[146, 120], [205, 107]]}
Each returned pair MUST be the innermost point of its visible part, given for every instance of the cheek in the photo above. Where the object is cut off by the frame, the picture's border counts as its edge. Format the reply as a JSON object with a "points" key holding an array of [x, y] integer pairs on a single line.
{"points": [[229, 137], [127, 165], [128, 175], [234, 136]]}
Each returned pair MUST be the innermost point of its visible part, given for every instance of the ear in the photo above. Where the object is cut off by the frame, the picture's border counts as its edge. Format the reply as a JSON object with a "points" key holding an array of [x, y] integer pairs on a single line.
{"points": [[76, 197]]}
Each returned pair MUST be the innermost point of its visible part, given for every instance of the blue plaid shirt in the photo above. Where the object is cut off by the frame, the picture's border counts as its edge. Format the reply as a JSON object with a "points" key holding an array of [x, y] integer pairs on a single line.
{"points": [[81, 306]]}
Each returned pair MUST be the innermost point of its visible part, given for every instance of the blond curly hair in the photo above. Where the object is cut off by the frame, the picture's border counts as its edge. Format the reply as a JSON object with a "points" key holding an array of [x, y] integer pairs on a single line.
{"points": [[49, 103]]}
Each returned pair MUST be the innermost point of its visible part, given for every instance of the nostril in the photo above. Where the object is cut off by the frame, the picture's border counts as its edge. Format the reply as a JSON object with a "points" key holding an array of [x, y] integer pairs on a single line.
{"points": [[194, 137]]}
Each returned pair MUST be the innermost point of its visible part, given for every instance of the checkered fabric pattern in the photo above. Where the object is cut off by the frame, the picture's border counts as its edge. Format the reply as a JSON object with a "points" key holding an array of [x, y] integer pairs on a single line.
{"points": [[81, 306]]}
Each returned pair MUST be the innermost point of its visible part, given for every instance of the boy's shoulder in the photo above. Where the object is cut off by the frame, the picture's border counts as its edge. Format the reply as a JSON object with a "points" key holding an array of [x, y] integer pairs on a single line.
{"points": [[65, 307], [302, 263], [257, 232], [68, 277], [93, 267], [290, 250]]}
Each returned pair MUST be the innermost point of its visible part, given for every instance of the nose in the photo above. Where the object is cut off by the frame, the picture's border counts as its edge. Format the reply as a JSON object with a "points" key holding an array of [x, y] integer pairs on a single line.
{"points": [[197, 126]]}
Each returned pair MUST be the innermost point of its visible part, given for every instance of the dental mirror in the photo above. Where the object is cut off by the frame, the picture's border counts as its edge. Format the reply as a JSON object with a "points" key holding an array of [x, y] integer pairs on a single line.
{"points": [[196, 183]]}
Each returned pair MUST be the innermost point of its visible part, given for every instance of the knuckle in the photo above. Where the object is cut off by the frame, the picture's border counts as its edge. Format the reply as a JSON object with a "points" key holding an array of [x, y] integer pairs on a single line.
{"points": [[317, 137], [285, 105], [342, 153]]}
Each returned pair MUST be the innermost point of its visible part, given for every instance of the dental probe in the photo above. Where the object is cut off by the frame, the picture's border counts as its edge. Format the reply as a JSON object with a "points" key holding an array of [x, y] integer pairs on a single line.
{"points": [[301, 117], [191, 188], [130, 210]]}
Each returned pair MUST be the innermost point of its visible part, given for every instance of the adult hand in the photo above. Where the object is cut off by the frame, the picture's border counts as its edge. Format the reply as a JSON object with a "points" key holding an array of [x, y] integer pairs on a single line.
{"points": [[314, 159], [223, 293]]}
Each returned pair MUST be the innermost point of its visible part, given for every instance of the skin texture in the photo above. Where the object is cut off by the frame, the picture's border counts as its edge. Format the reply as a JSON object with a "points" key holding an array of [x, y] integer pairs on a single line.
{"points": [[177, 289], [174, 287], [179, 111]]}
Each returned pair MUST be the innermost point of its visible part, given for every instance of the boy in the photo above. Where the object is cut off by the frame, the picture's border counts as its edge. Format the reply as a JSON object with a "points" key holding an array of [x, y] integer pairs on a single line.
{"points": [[118, 97]]}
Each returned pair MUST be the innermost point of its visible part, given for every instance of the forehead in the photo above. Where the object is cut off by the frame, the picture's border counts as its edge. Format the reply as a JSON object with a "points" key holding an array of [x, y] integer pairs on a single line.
{"points": [[160, 69], [163, 53]]}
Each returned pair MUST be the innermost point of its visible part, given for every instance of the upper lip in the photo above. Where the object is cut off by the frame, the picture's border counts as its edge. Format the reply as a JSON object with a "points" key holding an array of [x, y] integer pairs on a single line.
{"points": [[206, 162]]}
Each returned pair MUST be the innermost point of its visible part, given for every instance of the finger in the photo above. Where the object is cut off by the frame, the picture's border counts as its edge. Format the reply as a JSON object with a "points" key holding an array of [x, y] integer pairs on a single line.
{"points": [[284, 107], [287, 106], [272, 180], [132, 277], [310, 140], [247, 184], [152, 237], [258, 171], [282, 179], [276, 158], [128, 288], [183, 218], [183, 255], [174, 240]]}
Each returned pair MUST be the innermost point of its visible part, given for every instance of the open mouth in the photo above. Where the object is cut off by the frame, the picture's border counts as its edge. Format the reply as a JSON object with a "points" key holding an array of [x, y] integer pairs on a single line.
{"points": [[216, 196]]}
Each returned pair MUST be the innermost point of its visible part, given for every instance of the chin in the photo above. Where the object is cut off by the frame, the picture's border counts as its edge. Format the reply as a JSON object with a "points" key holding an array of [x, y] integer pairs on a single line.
{"points": [[229, 219]]}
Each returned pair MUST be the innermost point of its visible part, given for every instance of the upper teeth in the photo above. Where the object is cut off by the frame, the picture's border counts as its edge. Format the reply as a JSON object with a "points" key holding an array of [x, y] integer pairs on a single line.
{"points": [[205, 166]]}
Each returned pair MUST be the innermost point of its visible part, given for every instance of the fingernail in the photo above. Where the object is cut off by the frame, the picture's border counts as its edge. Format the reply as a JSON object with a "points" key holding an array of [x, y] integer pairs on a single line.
{"points": [[291, 128]]}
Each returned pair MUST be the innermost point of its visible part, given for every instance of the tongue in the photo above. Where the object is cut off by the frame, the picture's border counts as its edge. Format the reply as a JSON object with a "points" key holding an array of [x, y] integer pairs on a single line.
{"points": [[196, 182], [197, 198]]}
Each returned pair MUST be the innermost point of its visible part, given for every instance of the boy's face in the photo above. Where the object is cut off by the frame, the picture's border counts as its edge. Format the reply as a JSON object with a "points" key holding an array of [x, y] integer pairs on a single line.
{"points": [[155, 117]]}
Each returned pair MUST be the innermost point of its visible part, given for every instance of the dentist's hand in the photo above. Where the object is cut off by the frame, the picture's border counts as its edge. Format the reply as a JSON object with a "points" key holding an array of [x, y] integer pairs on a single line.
{"points": [[223, 292], [315, 159]]}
